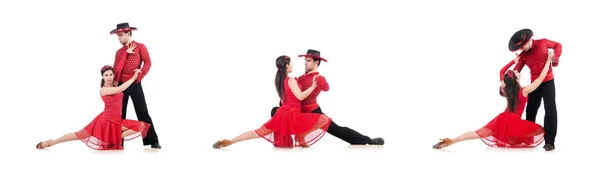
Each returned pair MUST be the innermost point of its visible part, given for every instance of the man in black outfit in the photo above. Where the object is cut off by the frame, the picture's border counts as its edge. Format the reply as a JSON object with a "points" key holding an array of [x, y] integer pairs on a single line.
{"points": [[125, 63], [534, 53]]}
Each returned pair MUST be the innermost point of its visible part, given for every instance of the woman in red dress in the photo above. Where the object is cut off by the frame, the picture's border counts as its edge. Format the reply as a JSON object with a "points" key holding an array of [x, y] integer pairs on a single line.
{"points": [[307, 128], [508, 129], [107, 130]]}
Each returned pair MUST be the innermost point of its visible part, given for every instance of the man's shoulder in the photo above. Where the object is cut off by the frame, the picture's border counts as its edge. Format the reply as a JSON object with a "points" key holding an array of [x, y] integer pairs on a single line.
{"points": [[138, 44], [321, 76], [317, 73], [544, 40]]}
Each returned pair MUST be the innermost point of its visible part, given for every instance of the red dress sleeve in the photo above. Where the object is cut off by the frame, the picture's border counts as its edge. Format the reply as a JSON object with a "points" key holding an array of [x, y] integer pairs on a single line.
{"points": [[505, 68], [502, 72]]}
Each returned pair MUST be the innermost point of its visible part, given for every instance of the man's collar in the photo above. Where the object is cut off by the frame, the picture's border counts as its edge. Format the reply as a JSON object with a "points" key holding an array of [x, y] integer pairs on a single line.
{"points": [[132, 41], [309, 73], [533, 43]]}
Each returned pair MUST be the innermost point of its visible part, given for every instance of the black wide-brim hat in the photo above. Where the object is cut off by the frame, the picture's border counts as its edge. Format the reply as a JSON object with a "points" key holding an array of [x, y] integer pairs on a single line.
{"points": [[122, 27], [519, 39], [311, 53]]}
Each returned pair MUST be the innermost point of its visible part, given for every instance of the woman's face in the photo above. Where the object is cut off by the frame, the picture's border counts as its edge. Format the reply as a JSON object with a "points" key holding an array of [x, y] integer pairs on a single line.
{"points": [[108, 77], [289, 67]]}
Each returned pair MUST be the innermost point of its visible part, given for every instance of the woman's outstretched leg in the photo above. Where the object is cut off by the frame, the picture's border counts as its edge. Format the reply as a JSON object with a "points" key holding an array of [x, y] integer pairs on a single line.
{"points": [[64, 138], [128, 132], [244, 136], [465, 136]]}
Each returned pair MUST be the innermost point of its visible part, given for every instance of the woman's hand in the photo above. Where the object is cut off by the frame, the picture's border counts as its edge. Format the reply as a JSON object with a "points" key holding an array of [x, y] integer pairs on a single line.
{"points": [[314, 83], [136, 72], [551, 56]]}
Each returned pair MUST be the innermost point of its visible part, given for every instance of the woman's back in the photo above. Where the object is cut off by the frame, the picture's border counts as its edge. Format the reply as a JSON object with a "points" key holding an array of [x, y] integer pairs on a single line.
{"points": [[289, 99], [522, 102]]}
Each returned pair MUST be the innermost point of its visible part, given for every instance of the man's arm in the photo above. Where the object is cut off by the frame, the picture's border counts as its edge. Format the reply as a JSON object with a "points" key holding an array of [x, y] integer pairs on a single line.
{"points": [[322, 83], [557, 47], [145, 56]]}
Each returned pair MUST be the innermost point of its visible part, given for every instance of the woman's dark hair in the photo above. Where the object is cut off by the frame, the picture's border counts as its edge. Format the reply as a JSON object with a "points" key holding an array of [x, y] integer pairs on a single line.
{"points": [[511, 90], [104, 69], [281, 63]]}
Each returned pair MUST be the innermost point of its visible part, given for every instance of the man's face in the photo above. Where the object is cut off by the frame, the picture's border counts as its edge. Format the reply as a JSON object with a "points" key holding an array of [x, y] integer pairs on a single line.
{"points": [[310, 63], [123, 37], [527, 46]]}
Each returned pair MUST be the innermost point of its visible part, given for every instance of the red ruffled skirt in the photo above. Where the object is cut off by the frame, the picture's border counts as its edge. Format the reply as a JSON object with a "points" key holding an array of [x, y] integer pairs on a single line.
{"points": [[510, 131], [307, 128], [105, 132]]}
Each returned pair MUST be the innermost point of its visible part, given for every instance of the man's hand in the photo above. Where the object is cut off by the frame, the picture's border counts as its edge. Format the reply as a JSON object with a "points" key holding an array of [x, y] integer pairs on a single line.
{"points": [[130, 48]]}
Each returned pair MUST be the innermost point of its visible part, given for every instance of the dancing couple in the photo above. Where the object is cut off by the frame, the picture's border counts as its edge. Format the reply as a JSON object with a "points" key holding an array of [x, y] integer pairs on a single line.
{"points": [[110, 129], [508, 129], [299, 114]]}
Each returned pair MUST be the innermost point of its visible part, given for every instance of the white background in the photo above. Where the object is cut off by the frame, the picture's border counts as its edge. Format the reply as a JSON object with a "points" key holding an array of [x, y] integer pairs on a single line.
{"points": [[411, 72]]}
